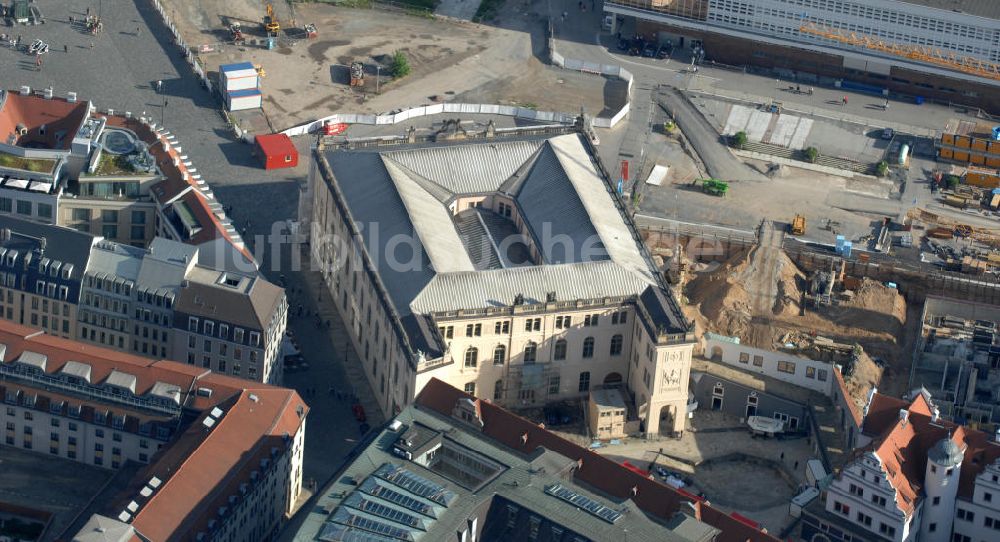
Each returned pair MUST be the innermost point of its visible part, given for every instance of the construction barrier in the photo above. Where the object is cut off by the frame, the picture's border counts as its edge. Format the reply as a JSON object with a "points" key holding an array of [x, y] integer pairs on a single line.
{"points": [[436, 109]]}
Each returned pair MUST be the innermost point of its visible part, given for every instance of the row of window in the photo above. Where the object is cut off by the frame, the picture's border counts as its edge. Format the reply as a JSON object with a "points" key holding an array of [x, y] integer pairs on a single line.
{"points": [[471, 357], [787, 367], [208, 327], [528, 394], [533, 324], [863, 519], [26, 208]]}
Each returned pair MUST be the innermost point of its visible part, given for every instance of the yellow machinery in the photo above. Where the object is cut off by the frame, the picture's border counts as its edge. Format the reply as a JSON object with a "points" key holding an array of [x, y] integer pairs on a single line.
{"points": [[799, 225], [966, 64], [271, 22]]}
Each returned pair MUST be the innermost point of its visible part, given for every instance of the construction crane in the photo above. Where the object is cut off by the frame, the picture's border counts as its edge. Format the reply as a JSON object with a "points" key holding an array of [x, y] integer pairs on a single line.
{"points": [[919, 53], [271, 22]]}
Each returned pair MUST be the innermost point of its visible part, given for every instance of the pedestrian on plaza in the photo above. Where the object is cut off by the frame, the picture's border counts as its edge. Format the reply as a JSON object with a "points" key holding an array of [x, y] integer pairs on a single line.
{"points": [[38, 62], [796, 465], [885, 106], [88, 12], [159, 85], [71, 20], [782, 456], [564, 14], [845, 100], [91, 45], [65, 48], [137, 29]]}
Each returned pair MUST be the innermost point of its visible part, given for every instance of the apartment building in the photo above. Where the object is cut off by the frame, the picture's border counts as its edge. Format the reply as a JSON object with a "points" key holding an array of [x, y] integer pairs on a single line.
{"points": [[110, 174], [141, 300], [501, 264], [919, 477], [453, 467], [767, 34], [220, 458]]}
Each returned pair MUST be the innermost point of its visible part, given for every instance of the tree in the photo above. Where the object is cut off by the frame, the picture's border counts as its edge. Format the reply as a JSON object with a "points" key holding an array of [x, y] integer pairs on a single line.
{"points": [[811, 153], [882, 169], [739, 139], [400, 65], [951, 181]]}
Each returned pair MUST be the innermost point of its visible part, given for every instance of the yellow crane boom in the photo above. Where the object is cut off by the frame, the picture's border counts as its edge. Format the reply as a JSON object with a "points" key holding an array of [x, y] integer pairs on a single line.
{"points": [[920, 53]]}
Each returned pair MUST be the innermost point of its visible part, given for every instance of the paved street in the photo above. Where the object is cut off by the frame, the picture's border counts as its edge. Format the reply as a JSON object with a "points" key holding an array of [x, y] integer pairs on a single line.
{"points": [[119, 72]]}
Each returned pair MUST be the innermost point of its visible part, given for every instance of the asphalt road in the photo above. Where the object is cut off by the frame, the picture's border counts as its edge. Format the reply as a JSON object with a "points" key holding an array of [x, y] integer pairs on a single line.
{"points": [[119, 72], [118, 68], [719, 162]]}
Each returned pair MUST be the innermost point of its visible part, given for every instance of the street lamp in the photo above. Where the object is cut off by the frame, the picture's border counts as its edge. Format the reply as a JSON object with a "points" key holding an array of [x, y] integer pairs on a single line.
{"points": [[378, 75]]}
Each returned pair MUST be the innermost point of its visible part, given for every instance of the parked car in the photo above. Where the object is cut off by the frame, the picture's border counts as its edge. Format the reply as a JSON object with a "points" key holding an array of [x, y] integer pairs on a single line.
{"points": [[623, 44], [649, 51], [887, 133], [664, 51], [635, 48]]}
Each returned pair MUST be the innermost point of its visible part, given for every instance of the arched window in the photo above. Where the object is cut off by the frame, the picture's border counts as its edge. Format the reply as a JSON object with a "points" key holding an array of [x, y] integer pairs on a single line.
{"points": [[498, 390], [588, 347], [499, 354], [560, 352], [472, 357], [616, 345], [530, 352]]}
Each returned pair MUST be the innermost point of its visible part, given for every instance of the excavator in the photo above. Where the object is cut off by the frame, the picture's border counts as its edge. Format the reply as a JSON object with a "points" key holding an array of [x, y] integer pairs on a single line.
{"points": [[271, 25]]}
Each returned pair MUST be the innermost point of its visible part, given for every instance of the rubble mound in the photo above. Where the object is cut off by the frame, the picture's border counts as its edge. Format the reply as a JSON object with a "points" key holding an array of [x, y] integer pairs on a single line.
{"points": [[874, 307], [721, 297]]}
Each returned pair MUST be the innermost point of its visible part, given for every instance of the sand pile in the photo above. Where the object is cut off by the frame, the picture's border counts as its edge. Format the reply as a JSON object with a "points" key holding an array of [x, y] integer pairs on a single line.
{"points": [[721, 297], [874, 307]]}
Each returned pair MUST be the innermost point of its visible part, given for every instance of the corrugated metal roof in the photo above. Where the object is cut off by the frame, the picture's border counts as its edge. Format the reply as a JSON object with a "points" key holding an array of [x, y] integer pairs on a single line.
{"points": [[467, 169], [589, 251], [558, 218], [497, 288], [379, 212], [596, 197], [432, 223]]}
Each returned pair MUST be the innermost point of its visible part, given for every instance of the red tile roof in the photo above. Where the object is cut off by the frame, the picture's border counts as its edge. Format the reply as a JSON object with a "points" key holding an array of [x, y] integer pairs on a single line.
{"points": [[852, 407], [200, 468], [902, 446], [32, 112], [596, 471], [174, 183]]}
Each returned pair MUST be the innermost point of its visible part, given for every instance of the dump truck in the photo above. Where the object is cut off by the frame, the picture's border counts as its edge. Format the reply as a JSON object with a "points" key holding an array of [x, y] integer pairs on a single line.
{"points": [[714, 187], [798, 225]]}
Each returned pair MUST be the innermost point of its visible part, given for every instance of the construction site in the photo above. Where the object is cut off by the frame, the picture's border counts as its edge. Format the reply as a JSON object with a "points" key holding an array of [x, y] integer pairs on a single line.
{"points": [[753, 290], [317, 59]]}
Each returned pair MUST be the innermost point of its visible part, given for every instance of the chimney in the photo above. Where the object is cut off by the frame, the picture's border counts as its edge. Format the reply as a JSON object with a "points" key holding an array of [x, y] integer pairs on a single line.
{"points": [[524, 439], [904, 416]]}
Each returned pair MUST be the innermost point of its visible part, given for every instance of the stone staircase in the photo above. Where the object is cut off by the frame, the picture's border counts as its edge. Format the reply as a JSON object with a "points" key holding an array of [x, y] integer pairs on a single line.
{"points": [[476, 240], [795, 154]]}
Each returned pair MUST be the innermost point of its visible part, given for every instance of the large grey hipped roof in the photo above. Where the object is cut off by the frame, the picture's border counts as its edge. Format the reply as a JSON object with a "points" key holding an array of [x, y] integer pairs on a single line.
{"points": [[403, 203]]}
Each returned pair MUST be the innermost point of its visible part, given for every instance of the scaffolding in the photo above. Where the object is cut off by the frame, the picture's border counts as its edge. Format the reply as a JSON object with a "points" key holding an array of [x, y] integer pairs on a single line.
{"points": [[919, 53]]}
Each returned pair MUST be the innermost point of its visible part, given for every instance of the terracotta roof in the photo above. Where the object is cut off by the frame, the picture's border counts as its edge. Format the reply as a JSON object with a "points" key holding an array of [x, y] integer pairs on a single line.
{"points": [[31, 112], [595, 470], [215, 462], [201, 468], [852, 407], [174, 183], [883, 412], [903, 446]]}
